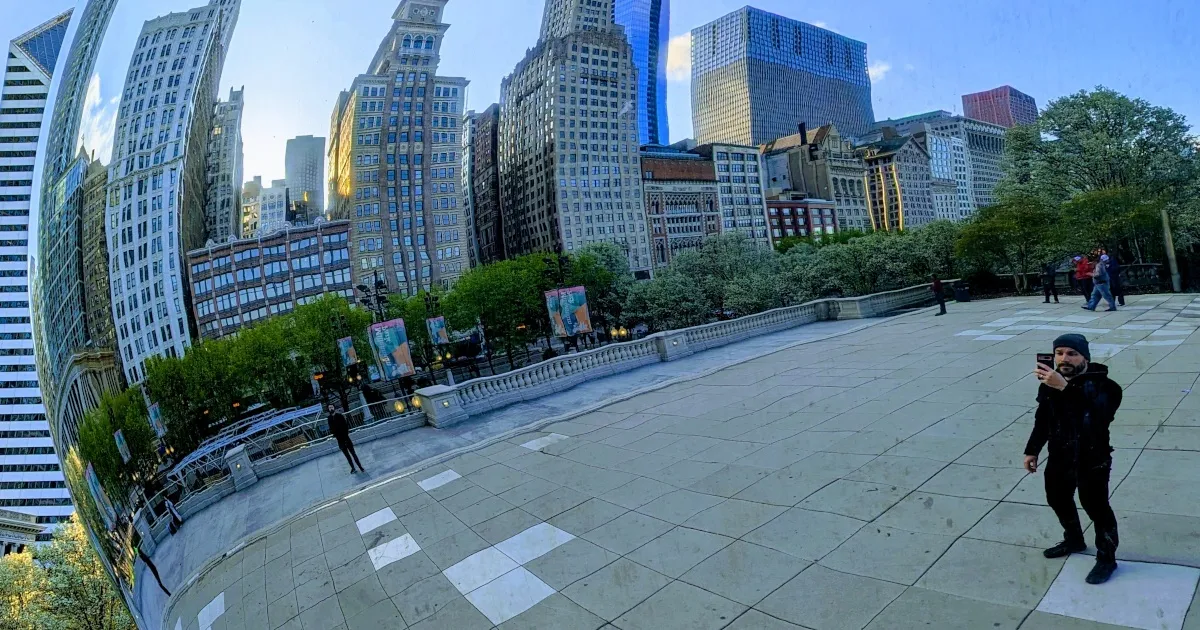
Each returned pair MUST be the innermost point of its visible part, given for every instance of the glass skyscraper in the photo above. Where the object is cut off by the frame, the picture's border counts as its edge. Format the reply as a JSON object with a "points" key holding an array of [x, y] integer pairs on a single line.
{"points": [[648, 26], [756, 76]]}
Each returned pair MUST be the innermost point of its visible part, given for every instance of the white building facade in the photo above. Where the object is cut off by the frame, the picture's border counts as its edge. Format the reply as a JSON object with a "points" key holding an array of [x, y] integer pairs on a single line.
{"points": [[31, 480], [157, 178], [272, 207], [223, 215]]}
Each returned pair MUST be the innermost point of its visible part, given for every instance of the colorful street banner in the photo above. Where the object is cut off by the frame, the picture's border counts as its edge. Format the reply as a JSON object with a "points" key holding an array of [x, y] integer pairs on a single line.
{"points": [[576, 318], [438, 334], [390, 342], [122, 446], [346, 348], [557, 326], [107, 512], [569, 311], [156, 421]]}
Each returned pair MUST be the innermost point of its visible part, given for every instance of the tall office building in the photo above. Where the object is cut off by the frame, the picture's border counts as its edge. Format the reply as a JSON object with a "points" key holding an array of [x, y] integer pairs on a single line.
{"points": [[485, 178], [158, 176], [820, 164], [31, 481], [251, 191], [1005, 106], [756, 76], [648, 26], [72, 326], [899, 183], [568, 139], [983, 159], [273, 203], [223, 214], [304, 170], [394, 161], [470, 126]]}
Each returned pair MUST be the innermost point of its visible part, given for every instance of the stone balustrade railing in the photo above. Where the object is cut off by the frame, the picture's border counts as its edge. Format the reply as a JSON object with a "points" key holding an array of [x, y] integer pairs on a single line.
{"points": [[448, 405]]}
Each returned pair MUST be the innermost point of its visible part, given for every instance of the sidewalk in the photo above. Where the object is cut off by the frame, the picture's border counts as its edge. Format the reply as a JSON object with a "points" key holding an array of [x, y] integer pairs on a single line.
{"points": [[868, 480]]}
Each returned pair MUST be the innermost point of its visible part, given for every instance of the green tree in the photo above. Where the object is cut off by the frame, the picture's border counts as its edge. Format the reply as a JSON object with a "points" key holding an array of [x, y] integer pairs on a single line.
{"points": [[1016, 236], [668, 302], [603, 269], [503, 298], [318, 326], [20, 592], [77, 592], [196, 394], [265, 359], [125, 412]]}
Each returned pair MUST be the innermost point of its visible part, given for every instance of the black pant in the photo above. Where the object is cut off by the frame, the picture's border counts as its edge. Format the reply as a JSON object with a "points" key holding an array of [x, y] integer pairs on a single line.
{"points": [[1049, 289], [1118, 293], [347, 447], [1091, 480], [1086, 285], [941, 300]]}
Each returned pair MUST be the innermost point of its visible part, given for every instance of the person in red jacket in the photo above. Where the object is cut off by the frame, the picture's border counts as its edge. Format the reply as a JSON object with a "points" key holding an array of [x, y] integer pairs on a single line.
{"points": [[936, 287], [1083, 276]]}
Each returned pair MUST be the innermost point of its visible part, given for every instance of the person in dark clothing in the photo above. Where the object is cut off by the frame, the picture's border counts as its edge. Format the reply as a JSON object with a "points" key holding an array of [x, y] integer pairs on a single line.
{"points": [[340, 429], [1076, 403], [1114, 280], [1083, 276], [1049, 277], [938, 295], [153, 569]]}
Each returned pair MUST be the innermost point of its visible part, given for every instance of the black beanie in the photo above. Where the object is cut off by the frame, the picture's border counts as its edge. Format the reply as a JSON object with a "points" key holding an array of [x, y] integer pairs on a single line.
{"points": [[1076, 342]]}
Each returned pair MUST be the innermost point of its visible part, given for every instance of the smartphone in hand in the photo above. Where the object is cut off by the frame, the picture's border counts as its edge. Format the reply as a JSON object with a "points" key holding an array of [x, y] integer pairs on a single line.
{"points": [[1046, 360]]}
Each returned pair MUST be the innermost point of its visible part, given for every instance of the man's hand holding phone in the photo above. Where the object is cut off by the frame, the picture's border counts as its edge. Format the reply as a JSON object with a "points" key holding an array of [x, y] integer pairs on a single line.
{"points": [[1050, 377]]}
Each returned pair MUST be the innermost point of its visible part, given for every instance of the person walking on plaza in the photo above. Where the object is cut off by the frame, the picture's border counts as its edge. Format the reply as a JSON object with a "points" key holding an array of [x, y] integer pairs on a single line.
{"points": [[1114, 279], [938, 295], [340, 428], [1100, 286], [1049, 277], [1076, 403], [1083, 276]]}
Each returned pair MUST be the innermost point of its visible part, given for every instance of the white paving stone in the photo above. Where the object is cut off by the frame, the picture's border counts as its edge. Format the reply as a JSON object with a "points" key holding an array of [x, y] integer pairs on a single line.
{"points": [[1139, 595], [393, 551], [972, 333], [438, 480], [543, 442], [210, 612], [479, 569], [534, 542], [1078, 319], [1159, 342], [376, 520], [1138, 327], [1167, 332], [994, 337], [1106, 350], [509, 595]]}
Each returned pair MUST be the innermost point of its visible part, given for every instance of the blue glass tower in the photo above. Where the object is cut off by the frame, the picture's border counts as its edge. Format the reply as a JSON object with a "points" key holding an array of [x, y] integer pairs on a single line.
{"points": [[648, 26], [756, 76]]}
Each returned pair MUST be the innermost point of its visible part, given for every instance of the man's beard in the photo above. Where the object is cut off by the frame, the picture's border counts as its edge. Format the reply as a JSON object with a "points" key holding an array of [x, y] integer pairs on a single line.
{"points": [[1068, 370]]}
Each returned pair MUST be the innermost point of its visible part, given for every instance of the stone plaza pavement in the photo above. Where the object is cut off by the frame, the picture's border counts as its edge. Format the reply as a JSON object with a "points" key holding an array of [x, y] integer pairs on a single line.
{"points": [[868, 480]]}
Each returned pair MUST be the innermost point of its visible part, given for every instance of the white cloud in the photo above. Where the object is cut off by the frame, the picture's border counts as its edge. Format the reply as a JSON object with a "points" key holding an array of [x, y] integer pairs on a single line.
{"points": [[878, 69], [99, 121], [679, 58]]}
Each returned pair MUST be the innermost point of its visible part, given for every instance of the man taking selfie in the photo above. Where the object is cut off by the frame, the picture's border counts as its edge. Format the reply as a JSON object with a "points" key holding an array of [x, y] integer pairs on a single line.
{"points": [[1076, 403]]}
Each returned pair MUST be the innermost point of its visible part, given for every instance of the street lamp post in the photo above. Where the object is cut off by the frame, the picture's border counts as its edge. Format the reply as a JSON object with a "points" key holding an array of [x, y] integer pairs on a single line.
{"points": [[375, 298]]}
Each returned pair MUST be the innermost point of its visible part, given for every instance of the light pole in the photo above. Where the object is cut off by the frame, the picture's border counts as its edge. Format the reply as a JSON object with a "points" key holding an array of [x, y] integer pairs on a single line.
{"points": [[1169, 243], [374, 298]]}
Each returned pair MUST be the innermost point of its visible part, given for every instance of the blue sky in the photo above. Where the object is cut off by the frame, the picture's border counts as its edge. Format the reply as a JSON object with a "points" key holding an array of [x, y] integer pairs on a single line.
{"points": [[293, 56]]}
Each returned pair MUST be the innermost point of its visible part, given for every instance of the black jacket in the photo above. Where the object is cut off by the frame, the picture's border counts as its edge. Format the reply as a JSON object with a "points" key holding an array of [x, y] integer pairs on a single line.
{"points": [[338, 426], [1075, 421]]}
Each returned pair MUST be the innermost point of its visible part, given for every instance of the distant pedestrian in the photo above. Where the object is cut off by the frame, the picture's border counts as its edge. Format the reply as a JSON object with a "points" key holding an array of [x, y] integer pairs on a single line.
{"points": [[938, 294], [1100, 286], [1114, 280], [1049, 278], [340, 429], [1083, 276], [176, 521]]}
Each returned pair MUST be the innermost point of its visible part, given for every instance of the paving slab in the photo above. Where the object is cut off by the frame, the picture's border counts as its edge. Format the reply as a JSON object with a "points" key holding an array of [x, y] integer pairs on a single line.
{"points": [[888, 554], [1139, 595], [825, 599], [923, 608], [993, 572], [744, 572]]}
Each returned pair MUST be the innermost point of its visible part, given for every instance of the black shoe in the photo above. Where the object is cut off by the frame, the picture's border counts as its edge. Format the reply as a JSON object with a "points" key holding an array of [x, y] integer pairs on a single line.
{"points": [[1109, 310], [351, 471], [1046, 302], [1101, 572], [1065, 548]]}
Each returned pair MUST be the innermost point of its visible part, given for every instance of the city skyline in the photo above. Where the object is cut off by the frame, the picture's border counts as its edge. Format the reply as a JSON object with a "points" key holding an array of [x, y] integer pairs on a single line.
{"points": [[909, 75]]}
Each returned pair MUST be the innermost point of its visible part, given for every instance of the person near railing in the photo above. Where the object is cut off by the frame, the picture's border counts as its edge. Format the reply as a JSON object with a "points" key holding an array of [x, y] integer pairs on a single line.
{"points": [[938, 293], [176, 521], [340, 429]]}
